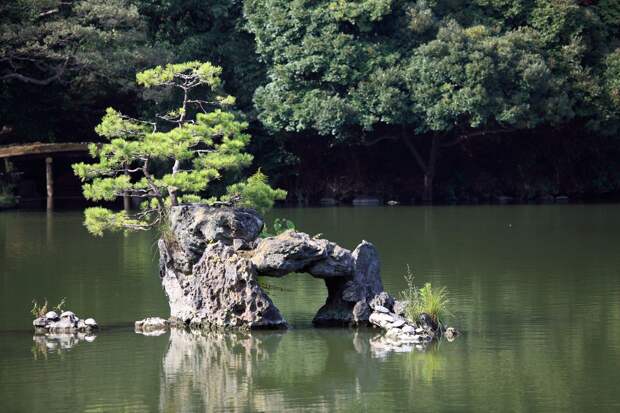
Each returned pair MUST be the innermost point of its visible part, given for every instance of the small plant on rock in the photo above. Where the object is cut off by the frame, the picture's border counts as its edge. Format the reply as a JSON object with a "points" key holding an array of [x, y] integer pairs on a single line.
{"points": [[39, 310], [59, 308], [432, 301], [279, 226]]}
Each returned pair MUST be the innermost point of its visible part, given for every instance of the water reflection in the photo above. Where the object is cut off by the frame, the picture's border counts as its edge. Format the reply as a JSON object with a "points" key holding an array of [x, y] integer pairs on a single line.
{"points": [[207, 369], [56, 343], [381, 346], [324, 369]]}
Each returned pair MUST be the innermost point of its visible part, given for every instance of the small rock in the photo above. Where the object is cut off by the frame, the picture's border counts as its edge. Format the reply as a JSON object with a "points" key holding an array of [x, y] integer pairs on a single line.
{"points": [[380, 319], [328, 202], [361, 311], [65, 325], [81, 325], [451, 333], [90, 322], [150, 324], [427, 322], [40, 322], [408, 329], [381, 309], [398, 323], [399, 307], [366, 201], [382, 299], [68, 315], [393, 203], [419, 330], [52, 316]]}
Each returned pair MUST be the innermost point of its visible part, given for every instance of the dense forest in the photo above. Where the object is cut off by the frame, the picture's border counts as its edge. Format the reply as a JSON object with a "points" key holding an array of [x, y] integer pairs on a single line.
{"points": [[444, 100]]}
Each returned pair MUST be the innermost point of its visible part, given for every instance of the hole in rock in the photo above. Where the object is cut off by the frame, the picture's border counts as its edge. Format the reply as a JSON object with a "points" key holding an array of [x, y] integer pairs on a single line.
{"points": [[298, 296]]}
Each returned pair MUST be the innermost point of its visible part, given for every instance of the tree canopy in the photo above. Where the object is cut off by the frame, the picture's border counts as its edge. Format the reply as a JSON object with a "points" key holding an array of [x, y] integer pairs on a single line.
{"points": [[174, 158], [330, 76], [61, 57], [387, 68]]}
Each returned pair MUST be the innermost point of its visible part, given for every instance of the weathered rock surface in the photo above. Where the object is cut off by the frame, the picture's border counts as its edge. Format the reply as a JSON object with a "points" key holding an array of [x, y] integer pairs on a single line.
{"points": [[294, 251], [194, 227], [210, 263], [221, 291]]}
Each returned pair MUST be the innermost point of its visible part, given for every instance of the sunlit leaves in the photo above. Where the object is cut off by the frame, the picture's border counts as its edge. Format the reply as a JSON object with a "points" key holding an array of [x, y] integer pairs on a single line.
{"points": [[197, 73], [337, 66], [255, 192], [98, 220]]}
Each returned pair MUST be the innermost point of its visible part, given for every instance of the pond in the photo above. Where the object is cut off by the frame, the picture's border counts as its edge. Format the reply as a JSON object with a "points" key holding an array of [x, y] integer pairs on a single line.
{"points": [[535, 289]]}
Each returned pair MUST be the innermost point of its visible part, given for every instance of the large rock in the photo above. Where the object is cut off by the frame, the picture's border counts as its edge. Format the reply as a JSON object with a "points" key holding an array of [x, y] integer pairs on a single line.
{"points": [[222, 291], [338, 262], [193, 227], [348, 297], [210, 262], [288, 252], [294, 251]]}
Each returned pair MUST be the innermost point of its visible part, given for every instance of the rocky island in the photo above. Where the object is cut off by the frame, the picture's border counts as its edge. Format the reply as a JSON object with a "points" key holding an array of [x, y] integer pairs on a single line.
{"points": [[211, 259]]}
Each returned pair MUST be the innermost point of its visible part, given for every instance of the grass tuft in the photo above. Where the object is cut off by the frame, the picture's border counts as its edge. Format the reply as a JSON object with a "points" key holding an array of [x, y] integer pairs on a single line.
{"points": [[432, 301]]}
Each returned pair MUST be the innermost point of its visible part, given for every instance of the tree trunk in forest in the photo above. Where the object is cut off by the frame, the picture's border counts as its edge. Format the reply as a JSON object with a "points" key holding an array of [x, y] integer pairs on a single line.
{"points": [[49, 183], [428, 167]]}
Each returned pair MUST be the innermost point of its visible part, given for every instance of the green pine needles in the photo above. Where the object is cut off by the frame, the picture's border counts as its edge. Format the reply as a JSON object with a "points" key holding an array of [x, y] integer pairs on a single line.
{"points": [[172, 159]]}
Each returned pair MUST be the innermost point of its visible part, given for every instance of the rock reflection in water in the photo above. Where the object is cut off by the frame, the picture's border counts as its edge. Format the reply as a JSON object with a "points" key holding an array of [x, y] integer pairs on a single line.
{"points": [[267, 371], [203, 370], [52, 343]]}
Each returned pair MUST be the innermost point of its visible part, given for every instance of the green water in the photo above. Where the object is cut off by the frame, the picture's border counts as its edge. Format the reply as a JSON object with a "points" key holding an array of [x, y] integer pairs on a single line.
{"points": [[536, 289]]}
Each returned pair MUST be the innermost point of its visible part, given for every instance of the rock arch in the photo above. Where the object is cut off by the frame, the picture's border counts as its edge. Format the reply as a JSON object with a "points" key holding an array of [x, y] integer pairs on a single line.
{"points": [[210, 262]]}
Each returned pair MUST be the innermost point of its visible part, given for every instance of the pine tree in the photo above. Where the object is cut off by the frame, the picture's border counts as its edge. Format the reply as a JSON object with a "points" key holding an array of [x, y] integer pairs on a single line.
{"points": [[172, 159]]}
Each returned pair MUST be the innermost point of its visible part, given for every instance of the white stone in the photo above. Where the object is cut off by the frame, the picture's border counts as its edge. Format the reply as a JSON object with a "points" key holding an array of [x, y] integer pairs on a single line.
{"points": [[381, 309], [90, 322], [381, 319], [151, 324], [51, 315], [66, 314]]}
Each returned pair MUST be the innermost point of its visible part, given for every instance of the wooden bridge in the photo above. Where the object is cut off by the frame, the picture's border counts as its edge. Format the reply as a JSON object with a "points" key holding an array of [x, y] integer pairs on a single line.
{"points": [[46, 151]]}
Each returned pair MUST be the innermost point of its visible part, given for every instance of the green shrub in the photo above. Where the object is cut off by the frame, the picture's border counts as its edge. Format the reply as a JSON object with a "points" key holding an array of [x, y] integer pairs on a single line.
{"points": [[279, 226], [429, 300]]}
